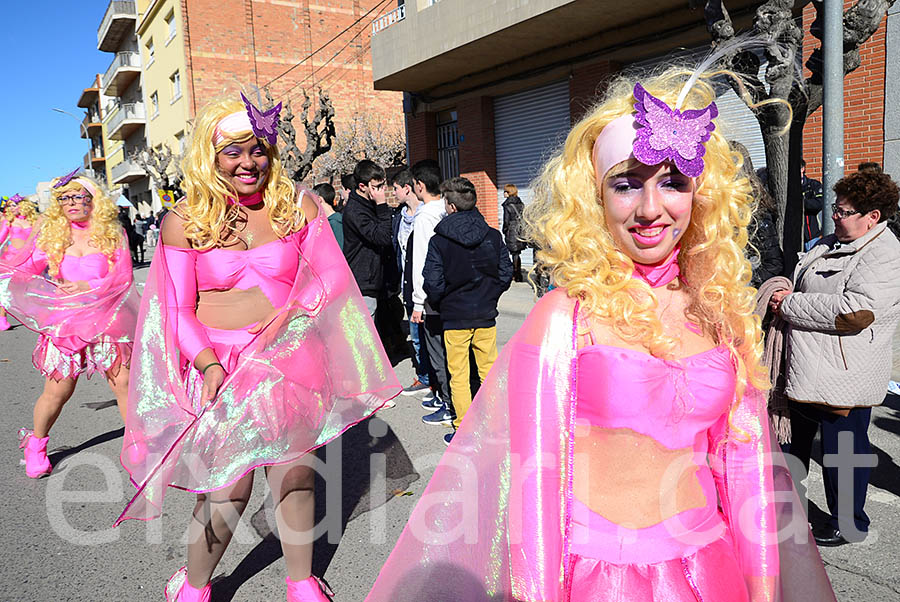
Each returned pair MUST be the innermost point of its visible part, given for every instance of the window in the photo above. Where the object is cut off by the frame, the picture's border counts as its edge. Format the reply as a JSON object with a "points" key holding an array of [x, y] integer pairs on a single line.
{"points": [[170, 26], [154, 105], [179, 139], [448, 143], [150, 53], [175, 80]]}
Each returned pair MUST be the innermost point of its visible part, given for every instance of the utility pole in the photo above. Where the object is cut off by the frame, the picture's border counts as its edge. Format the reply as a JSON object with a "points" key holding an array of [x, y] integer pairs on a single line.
{"points": [[832, 107]]}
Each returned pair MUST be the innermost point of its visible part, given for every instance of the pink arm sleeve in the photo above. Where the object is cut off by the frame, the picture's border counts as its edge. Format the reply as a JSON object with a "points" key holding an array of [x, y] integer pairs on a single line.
{"points": [[4, 230], [740, 455], [181, 301], [34, 264]]}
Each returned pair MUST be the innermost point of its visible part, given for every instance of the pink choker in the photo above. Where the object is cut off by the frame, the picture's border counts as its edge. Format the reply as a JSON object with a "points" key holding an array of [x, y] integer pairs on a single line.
{"points": [[81, 225], [248, 201], [661, 273]]}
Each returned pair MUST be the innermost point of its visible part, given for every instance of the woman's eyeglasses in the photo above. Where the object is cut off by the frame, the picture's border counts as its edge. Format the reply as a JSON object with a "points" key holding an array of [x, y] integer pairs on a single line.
{"points": [[842, 213], [74, 199]]}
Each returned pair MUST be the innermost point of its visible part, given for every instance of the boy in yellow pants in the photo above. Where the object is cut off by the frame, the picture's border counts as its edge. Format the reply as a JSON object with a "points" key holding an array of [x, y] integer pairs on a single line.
{"points": [[466, 270]]}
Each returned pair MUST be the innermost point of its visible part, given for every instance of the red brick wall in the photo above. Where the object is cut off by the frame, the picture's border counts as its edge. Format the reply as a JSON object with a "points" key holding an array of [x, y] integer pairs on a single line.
{"points": [[586, 84], [477, 152], [251, 42], [422, 136], [863, 104]]}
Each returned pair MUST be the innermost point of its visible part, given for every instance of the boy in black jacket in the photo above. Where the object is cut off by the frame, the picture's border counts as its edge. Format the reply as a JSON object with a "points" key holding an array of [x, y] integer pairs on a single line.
{"points": [[466, 271]]}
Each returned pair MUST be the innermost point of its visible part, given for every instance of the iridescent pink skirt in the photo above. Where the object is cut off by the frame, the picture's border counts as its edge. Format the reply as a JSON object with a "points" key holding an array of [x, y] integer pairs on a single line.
{"points": [[101, 357], [696, 563]]}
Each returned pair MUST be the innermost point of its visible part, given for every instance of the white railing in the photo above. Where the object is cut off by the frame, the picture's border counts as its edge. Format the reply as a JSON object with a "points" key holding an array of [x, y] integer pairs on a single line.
{"points": [[123, 59], [123, 169], [398, 14], [130, 110]]}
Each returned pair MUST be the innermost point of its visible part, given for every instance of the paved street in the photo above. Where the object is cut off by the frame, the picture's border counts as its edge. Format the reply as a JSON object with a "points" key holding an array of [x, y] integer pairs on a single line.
{"points": [[57, 542]]}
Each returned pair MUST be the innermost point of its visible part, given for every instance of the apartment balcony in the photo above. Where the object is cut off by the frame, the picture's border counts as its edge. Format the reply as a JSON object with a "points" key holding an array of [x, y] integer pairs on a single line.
{"points": [[442, 49], [126, 120], [117, 25], [95, 160], [92, 125], [126, 172], [123, 70], [90, 95]]}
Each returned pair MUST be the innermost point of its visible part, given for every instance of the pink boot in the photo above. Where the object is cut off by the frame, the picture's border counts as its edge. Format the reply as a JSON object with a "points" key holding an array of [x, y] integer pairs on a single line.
{"points": [[37, 464], [311, 589], [4, 323], [179, 590]]}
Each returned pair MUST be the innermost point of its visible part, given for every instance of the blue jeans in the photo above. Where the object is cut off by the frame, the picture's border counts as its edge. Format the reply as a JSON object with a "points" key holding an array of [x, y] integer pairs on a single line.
{"points": [[420, 358]]}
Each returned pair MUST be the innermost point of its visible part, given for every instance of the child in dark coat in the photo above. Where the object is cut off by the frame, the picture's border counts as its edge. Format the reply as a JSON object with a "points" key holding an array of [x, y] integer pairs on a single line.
{"points": [[466, 271]]}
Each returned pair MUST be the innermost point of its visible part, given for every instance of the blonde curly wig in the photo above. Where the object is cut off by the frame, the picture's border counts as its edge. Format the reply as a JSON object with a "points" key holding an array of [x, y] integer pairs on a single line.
{"points": [[209, 217], [105, 231], [24, 209], [568, 225]]}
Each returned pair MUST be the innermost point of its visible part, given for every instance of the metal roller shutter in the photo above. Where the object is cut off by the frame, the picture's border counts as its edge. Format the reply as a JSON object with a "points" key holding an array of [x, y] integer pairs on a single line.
{"points": [[528, 127]]}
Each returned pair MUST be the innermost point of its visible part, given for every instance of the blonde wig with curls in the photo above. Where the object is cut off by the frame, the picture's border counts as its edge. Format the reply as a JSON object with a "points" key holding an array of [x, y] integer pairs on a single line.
{"points": [[209, 216], [105, 231], [25, 208], [568, 225]]}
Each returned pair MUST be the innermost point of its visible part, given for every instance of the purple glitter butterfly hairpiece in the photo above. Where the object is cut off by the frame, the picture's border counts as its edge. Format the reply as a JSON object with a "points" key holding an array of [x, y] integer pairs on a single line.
{"points": [[67, 178], [264, 123], [16, 199], [670, 134]]}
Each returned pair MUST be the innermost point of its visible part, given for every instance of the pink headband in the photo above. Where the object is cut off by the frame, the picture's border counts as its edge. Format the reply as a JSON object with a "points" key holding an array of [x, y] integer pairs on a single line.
{"points": [[232, 124], [614, 145], [87, 185]]}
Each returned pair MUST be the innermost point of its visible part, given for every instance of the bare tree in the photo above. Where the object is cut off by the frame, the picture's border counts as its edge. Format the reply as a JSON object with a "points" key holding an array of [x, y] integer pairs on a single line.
{"points": [[775, 22], [362, 138], [319, 134], [162, 165]]}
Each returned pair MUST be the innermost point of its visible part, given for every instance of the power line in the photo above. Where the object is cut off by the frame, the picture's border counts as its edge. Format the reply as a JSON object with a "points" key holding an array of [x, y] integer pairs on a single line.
{"points": [[341, 50], [322, 47]]}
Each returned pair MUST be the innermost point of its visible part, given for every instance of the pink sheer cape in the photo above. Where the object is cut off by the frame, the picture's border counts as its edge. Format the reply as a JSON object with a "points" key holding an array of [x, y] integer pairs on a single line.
{"points": [[313, 372], [494, 521], [107, 312]]}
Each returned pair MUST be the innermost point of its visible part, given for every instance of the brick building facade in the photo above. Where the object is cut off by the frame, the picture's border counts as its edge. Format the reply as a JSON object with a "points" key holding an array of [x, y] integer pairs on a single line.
{"points": [[290, 46], [864, 104]]}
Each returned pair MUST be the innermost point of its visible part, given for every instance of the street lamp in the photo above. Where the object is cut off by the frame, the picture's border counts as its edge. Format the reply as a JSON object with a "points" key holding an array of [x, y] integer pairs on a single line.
{"points": [[83, 129]]}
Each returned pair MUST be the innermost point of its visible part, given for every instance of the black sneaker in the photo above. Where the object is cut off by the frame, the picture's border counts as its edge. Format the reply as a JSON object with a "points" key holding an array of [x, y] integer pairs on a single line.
{"points": [[440, 416], [431, 401], [448, 438]]}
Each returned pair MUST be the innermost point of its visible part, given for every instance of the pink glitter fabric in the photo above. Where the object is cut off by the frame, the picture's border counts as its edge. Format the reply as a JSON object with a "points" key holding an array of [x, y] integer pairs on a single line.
{"points": [[85, 332], [670, 134], [315, 370], [494, 521]]}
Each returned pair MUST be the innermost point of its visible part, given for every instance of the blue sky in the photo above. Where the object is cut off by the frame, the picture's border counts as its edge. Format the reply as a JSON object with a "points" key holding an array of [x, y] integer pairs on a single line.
{"points": [[51, 56]]}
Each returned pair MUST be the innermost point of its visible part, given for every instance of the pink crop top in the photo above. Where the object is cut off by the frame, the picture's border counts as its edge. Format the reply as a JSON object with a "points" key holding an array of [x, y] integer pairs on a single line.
{"points": [[92, 268], [19, 232], [674, 402], [271, 266]]}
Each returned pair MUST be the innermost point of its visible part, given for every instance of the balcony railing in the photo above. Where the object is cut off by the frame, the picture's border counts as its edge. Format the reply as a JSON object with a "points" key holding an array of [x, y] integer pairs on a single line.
{"points": [[121, 71], [398, 14], [125, 172], [126, 120], [117, 24]]}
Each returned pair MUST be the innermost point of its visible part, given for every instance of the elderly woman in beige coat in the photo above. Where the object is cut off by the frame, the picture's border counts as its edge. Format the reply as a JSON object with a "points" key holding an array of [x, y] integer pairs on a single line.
{"points": [[842, 316]]}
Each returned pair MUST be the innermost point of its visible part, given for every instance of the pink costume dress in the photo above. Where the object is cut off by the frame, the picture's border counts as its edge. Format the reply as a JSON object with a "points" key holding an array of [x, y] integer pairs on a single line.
{"points": [[82, 333], [499, 519], [313, 372]]}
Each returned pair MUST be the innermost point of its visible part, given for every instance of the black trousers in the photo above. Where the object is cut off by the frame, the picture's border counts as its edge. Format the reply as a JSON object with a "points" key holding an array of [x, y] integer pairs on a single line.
{"points": [[845, 487], [432, 337]]}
